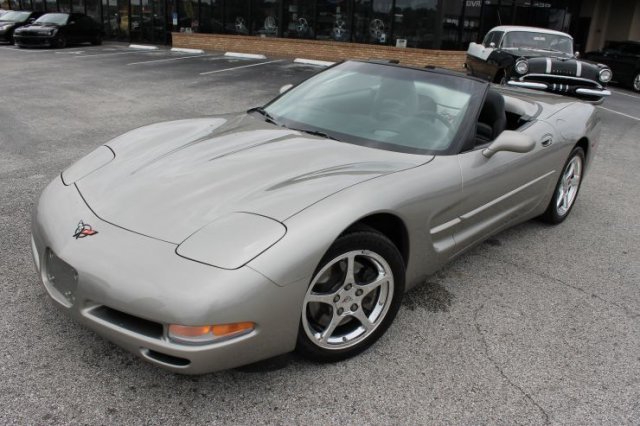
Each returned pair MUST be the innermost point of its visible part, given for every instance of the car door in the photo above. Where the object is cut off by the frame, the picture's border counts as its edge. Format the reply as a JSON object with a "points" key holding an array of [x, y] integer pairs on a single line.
{"points": [[73, 32], [500, 190]]}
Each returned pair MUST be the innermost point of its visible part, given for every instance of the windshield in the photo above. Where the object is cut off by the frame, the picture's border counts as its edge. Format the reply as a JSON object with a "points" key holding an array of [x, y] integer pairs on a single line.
{"points": [[53, 18], [388, 107], [538, 41], [15, 16]]}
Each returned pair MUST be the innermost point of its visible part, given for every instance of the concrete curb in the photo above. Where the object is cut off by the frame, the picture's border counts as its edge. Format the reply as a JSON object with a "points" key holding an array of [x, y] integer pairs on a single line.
{"points": [[313, 62], [245, 55], [142, 47], [185, 50]]}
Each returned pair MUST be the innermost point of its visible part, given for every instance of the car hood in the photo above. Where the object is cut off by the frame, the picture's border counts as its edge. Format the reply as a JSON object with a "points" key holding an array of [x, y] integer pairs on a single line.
{"points": [[170, 179]]}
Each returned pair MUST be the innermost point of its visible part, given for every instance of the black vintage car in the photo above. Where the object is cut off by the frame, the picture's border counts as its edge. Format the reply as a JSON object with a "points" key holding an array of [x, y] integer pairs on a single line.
{"points": [[58, 30], [537, 58], [624, 59], [14, 19]]}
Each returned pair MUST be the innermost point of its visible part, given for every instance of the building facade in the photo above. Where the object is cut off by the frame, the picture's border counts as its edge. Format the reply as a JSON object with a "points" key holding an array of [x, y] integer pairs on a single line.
{"points": [[427, 24]]}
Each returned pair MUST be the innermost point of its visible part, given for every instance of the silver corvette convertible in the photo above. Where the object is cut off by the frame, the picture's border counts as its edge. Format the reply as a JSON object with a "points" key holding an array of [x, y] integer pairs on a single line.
{"points": [[210, 243]]}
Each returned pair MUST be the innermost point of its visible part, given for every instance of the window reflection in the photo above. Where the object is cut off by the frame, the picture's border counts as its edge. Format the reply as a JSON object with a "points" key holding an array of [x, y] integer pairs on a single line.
{"points": [[372, 21], [265, 18], [237, 17], [333, 20], [299, 19], [415, 21], [211, 16]]}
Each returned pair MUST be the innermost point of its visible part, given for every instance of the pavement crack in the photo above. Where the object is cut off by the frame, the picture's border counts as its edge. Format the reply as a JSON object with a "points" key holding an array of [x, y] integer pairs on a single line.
{"points": [[626, 310], [487, 354]]}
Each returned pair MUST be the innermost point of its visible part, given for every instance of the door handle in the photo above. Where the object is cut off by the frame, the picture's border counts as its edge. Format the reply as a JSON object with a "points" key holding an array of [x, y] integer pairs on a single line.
{"points": [[546, 142]]}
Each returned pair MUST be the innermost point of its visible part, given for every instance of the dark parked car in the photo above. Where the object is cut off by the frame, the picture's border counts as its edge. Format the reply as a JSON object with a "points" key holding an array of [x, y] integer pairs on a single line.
{"points": [[58, 30], [624, 59], [13, 19], [537, 58]]}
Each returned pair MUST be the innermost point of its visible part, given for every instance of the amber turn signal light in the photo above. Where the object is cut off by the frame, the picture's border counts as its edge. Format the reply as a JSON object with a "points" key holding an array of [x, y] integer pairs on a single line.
{"points": [[208, 333]]}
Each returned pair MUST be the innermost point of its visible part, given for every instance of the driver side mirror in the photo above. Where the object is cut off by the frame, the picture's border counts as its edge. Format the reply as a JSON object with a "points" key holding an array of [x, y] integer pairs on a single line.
{"points": [[492, 45], [72, 22], [285, 88], [577, 54], [510, 141]]}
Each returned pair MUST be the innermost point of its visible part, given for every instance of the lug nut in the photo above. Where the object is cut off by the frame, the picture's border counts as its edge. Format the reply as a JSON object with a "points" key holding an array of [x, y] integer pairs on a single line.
{"points": [[335, 299], [347, 287], [354, 307], [340, 311], [359, 292]]}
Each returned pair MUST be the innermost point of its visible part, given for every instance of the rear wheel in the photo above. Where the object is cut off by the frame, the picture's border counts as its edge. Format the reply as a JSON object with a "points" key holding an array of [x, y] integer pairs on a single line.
{"points": [[567, 188], [97, 40], [636, 83], [61, 42], [353, 297]]}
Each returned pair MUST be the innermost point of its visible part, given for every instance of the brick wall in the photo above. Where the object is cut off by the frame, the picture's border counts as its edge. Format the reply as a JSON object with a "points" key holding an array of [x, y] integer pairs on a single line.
{"points": [[314, 49]]}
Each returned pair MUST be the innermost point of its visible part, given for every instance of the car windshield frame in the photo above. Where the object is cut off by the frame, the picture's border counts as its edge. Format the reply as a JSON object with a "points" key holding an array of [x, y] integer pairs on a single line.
{"points": [[470, 89], [541, 41], [49, 18], [8, 17]]}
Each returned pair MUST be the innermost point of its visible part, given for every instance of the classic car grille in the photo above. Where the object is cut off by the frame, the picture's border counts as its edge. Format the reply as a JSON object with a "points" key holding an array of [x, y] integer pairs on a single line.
{"points": [[61, 276], [564, 68], [32, 40], [560, 79], [129, 322]]}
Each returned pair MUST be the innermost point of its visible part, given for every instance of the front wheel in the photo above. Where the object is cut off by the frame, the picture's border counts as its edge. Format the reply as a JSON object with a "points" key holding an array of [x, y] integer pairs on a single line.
{"points": [[97, 40], [61, 42], [353, 297], [636, 83], [566, 191]]}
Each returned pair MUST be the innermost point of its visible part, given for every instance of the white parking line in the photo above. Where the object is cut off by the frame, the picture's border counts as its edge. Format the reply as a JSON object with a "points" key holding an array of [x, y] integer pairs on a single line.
{"points": [[625, 94], [621, 113], [243, 66], [139, 52], [172, 59]]}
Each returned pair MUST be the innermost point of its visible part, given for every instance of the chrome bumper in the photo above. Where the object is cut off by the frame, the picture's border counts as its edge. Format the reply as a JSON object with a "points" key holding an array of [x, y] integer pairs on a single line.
{"points": [[558, 88], [142, 278]]}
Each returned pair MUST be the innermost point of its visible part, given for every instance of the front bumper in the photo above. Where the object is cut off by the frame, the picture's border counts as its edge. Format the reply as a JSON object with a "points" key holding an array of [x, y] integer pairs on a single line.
{"points": [[128, 288], [561, 84], [32, 40]]}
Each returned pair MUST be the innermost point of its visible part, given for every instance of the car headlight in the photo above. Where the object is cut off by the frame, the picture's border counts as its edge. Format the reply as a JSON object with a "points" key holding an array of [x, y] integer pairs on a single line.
{"points": [[53, 31], [522, 67], [232, 240], [204, 334], [605, 75], [87, 164]]}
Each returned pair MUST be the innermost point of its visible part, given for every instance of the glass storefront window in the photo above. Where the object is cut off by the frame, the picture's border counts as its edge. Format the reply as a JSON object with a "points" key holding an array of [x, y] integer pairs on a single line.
{"points": [[334, 20], [38, 5], [26, 5], [372, 21], [51, 5], [416, 22], [77, 6], [299, 19], [237, 17], [265, 18], [210, 16], [64, 5], [93, 9], [188, 11]]}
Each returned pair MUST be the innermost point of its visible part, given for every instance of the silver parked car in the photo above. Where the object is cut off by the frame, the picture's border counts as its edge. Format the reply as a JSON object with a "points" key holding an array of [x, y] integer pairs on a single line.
{"points": [[209, 243]]}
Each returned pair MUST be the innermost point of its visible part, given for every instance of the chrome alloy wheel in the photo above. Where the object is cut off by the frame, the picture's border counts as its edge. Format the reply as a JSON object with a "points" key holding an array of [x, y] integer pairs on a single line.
{"points": [[347, 300], [569, 185], [636, 83]]}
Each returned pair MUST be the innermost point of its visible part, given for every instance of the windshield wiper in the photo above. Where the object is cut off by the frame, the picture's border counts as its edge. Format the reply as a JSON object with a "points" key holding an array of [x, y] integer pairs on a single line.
{"points": [[268, 117], [315, 133]]}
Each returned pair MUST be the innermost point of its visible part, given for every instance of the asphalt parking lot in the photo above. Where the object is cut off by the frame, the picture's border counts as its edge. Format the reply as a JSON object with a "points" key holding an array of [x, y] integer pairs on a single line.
{"points": [[538, 325]]}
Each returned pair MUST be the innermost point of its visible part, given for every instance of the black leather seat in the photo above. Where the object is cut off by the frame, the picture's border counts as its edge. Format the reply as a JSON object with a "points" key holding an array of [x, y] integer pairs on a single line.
{"points": [[493, 118]]}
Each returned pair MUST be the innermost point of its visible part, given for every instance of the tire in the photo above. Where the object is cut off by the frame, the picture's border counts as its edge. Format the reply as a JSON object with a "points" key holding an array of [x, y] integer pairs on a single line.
{"points": [[635, 83], [61, 42], [97, 41], [344, 313], [566, 190]]}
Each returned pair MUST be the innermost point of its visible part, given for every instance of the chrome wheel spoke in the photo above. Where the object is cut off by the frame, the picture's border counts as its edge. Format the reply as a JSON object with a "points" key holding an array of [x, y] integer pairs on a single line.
{"points": [[327, 332], [321, 298], [363, 318], [369, 287], [350, 277]]}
